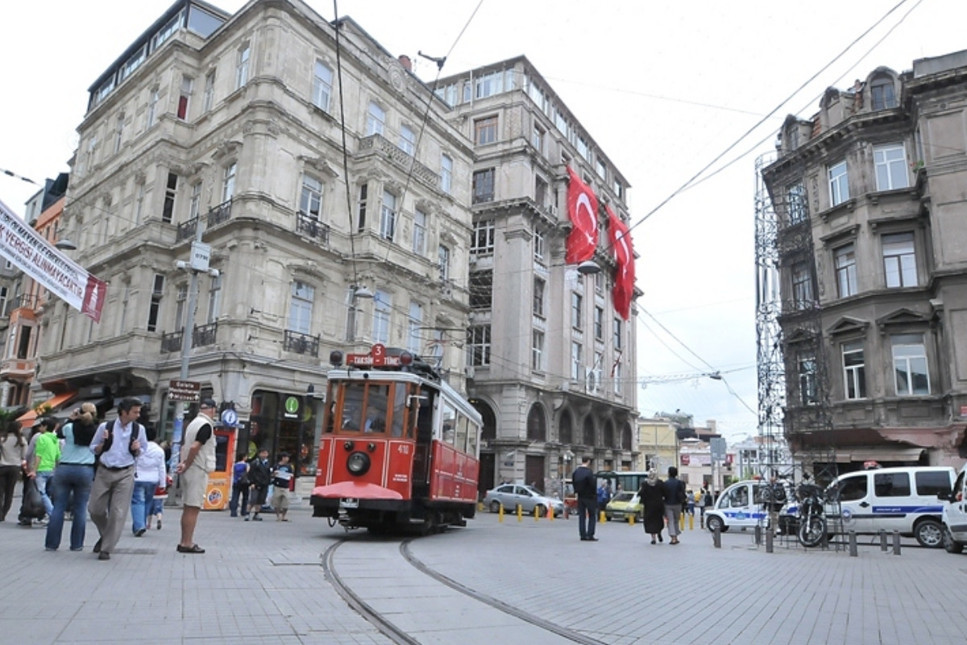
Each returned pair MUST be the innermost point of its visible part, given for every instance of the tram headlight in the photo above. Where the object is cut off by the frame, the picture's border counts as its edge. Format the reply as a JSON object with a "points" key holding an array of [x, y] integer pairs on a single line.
{"points": [[358, 463]]}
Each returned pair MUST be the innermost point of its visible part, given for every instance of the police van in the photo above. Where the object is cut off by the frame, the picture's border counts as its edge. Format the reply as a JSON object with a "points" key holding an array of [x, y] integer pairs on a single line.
{"points": [[906, 499], [747, 504]]}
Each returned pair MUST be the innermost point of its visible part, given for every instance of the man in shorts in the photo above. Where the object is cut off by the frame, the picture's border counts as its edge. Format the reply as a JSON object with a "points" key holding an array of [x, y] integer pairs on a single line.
{"points": [[280, 487], [260, 474], [197, 460]]}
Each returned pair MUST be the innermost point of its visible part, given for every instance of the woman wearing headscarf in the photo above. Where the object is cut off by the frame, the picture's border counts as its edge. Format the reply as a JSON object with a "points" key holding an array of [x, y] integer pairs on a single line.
{"points": [[73, 478], [13, 452], [652, 498]]}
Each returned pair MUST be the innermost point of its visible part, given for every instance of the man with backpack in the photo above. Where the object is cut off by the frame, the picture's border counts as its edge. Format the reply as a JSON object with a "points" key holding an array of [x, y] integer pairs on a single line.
{"points": [[116, 445], [260, 473]]}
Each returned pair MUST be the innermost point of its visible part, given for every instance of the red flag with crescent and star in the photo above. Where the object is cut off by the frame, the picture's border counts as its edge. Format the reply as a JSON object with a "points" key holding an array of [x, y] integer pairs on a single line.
{"points": [[624, 274], [582, 209]]}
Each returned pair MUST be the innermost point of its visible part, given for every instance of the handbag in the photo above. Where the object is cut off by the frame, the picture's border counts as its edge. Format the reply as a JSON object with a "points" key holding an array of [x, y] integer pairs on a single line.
{"points": [[33, 502]]}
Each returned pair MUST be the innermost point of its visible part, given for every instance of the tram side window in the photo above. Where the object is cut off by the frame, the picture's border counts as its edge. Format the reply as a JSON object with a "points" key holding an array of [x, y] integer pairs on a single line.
{"points": [[461, 442], [399, 409], [352, 406], [449, 424], [472, 435]]}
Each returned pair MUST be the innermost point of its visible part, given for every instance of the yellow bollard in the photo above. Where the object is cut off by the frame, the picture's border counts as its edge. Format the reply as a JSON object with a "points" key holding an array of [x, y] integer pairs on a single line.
{"points": [[537, 513], [500, 514], [681, 522], [550, 514], [520, 513], [691, 522], [602, 517], [631, 519]]}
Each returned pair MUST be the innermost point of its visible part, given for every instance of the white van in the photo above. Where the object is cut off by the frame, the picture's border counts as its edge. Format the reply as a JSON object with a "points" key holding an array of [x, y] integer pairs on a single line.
{"points": [[907, 499], [742, 505], [955, 515]]}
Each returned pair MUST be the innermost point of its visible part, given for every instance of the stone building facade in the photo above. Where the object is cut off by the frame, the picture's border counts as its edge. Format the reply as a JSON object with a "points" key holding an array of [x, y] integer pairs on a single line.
{"points": [[872, 250]]}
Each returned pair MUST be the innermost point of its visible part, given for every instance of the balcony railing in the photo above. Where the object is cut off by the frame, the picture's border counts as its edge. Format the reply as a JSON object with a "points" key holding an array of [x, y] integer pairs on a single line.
{"points": [[378, 143], [216, 215], [312, 227], [201, 335], [301, 343]]}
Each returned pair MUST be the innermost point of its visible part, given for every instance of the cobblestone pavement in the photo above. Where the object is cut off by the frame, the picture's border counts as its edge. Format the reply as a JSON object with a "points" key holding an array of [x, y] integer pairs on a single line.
{"points": [[263, 582]]}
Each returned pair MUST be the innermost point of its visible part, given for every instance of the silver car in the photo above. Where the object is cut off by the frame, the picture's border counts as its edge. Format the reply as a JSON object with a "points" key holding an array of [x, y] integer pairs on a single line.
{"points": [[511, 495]]}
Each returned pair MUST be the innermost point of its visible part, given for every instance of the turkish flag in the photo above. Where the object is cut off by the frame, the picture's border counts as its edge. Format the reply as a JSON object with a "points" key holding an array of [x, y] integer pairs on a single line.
{"points": [[582, 208], [624, 274]]}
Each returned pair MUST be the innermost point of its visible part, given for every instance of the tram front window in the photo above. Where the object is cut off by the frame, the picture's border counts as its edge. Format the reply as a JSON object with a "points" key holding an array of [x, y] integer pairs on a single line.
{"points": [[376, 408], [352, 406]]}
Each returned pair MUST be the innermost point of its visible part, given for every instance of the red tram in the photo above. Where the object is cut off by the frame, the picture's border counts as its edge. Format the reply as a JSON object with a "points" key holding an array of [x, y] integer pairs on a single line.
{"points": [[399, 446]]}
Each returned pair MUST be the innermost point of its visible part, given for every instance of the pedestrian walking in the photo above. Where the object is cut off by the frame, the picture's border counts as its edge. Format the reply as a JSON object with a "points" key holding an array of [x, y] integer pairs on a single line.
{"points": [[706, 503], [240, 486], [260, 474], [13, 452], [674, 491], [73, 479], [149, 476], [116, 445], [583, 481], [197, 460], [42, 457], [652, 496]]}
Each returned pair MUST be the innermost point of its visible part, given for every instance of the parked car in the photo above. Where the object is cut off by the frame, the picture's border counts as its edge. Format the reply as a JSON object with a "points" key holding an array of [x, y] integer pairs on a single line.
{"points": [[623, 505], [510, 496]]}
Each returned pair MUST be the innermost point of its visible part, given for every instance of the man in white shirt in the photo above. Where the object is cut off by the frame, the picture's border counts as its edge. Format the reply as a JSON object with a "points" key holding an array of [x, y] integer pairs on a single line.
{"points": [[197, 460]]}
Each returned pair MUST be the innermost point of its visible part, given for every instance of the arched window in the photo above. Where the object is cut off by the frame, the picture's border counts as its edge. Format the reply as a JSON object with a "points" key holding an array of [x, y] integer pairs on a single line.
{"points": [[489, 430], [566, 428], [536, 424], [588, 431], [626, 437], [882, 93], [609, 435]]}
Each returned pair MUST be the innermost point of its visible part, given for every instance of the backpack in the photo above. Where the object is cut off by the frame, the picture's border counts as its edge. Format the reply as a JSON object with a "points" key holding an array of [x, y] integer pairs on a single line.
{"points": [[136, 430]]}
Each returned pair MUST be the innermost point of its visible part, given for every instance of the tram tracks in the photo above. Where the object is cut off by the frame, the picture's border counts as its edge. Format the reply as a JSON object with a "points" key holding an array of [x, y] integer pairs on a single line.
{"points": [[364, 571]]}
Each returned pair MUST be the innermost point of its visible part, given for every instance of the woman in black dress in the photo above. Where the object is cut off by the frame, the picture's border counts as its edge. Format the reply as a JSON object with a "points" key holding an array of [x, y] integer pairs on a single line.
{"points": [[652, 499]]}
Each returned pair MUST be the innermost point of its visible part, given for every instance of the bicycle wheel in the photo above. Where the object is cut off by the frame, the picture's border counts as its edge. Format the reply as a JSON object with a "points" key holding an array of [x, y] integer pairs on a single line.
{"points": [[811, 531]]}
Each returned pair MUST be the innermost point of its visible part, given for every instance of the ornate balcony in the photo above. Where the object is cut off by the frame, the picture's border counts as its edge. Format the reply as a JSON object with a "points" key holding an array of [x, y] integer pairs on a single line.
{"points": [[300, 343], [216, 215], [201, 335], [312, 227], [379, 144]]}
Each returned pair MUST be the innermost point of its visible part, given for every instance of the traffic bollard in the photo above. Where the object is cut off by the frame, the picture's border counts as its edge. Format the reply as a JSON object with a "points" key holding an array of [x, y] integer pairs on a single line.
{"points": [[681, 522], [500, 514], [537, 513], [758, 535], [550, 514], [716, 537], [883, 546], [631, 519], [896, 543], [520, 513], [602, 517], [853, 552], [768, 541], [691, 522]]}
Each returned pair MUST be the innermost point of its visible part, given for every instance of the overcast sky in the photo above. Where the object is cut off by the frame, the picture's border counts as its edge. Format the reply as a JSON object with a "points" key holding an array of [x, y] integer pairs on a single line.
{"points": [[663, 87]]}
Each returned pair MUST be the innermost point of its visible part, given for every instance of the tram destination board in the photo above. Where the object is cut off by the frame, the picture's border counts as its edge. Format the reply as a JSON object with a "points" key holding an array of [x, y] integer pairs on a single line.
{"points": [[179, 390]]}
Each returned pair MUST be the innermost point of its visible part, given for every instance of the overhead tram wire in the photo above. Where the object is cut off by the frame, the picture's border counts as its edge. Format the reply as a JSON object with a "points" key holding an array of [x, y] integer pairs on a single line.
{"points": [[772, 112]]}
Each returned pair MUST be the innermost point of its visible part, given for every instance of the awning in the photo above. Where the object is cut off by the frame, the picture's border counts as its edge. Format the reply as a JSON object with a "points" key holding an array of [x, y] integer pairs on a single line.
{"points": [[55, 402]]}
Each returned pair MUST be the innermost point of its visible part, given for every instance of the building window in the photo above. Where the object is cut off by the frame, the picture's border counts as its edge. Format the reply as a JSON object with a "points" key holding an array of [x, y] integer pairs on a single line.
{"points": [[616, 377], [838, 183], [845, 262], [483, 238], [540, 191], [361, 212], [478, 345], [382, 308], [481, 289], [171, 190], [407, 140], [600, 168], [214, 298], [485, 130], [154, 309], [195, 202], [310, 201], [807, 378], [241, 66], [583, 149], [539, 286], [537, 350], [300, 307], [387, 216], [375, 119], [152, 107], [882, 94], [577, 310], [854, 371], [576, 374], [537, 139], [796, 202], [446, 174], [209, 100], [180, 301], [321, 86], [443, 254], [419, 233], [616, 333], [187, 83], [3, 301], [910, 365], [802, 286], [598, 323], [483, 186], [415, 336], [899, 260], [540, 247], [891, 167], [228, 182]]}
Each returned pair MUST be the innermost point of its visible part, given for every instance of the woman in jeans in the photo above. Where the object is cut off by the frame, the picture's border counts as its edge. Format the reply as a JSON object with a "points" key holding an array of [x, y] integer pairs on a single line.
{"points": [[13, 450], [73, 475]]}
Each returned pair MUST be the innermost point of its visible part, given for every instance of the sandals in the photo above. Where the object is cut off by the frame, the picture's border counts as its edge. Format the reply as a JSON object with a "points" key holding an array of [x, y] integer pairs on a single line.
{"points": [[194, 548]]}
